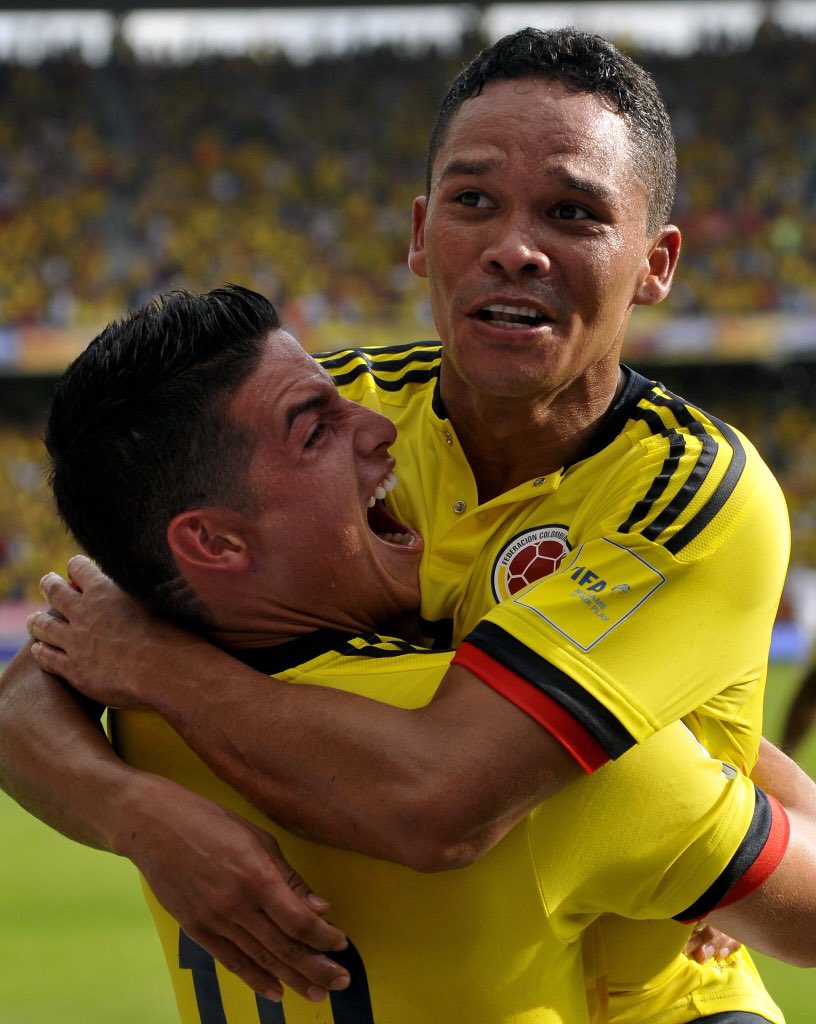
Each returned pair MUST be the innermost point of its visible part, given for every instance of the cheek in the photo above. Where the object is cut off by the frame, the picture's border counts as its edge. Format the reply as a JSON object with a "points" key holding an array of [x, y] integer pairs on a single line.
{"points": [[607, 282], [447, 251], [350, 543]]}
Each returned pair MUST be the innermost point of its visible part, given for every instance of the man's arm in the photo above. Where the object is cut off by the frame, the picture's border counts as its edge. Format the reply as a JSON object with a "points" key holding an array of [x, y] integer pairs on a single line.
{"points": [[432, 787], [225, 881], [762, 918], [777, 918]]}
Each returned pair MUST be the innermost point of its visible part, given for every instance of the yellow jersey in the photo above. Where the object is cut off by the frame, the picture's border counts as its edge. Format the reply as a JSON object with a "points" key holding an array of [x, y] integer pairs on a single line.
{"points": [[667, 831], [634, 587]]}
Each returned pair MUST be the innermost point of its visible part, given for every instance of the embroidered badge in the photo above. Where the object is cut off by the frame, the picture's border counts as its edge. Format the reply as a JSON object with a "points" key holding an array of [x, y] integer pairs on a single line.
{"points": [[529, 556]]}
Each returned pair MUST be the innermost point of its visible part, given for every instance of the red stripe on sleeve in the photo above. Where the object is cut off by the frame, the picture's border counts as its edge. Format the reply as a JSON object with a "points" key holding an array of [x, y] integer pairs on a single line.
{"points": [[538, 705], [768, 860]]}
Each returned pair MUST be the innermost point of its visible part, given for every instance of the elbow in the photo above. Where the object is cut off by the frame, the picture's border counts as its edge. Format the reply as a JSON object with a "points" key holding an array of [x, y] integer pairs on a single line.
{"points": [[429, 855], [431, 837]]}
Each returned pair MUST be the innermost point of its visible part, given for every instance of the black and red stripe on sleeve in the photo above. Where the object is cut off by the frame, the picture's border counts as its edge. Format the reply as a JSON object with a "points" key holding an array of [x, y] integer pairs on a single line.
{"points": [[756, 859], [584, 726]]}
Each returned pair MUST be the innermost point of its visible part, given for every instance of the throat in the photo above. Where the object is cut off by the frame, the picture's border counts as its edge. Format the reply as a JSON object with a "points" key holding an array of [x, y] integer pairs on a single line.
{"points": [[503, 459]]}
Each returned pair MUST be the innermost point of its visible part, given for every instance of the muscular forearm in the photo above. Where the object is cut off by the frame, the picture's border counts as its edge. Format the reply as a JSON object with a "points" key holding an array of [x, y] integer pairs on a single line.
{"points": [[430, 787], [55, 759]]}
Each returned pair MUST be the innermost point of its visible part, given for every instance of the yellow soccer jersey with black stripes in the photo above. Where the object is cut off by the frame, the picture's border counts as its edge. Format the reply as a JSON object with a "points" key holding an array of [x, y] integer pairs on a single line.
{"points": [[653, 564], [636, 586], [664, 832]]}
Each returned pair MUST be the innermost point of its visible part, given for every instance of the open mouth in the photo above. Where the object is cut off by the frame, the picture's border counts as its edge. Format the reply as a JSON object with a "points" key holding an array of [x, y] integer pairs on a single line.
{"points": [[380, 521], [513, 317]]}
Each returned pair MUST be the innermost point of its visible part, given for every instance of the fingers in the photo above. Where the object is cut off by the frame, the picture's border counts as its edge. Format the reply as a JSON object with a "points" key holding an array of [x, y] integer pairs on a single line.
{"points": [[50, 627], [287, 936], [49, 659], [291, 904], [47, 630], [307, 971], [282, 904], [59, 593], [245, 914], [85, 574], [207, 946], [253, 946], [706, 942], [264, 957]]}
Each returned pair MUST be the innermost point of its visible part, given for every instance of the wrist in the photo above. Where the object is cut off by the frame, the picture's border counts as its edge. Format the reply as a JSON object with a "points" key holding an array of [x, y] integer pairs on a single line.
{"points": [[138, 800], [182, 679]]}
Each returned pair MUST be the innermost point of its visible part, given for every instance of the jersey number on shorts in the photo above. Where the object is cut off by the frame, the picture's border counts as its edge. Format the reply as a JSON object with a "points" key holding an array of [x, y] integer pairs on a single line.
{"points": [[352, 1006]]}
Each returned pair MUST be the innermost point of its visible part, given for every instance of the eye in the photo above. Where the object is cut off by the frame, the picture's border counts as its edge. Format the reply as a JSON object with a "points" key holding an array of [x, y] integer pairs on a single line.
{"points": [[474, 199], [318, 432], [571, 211]]}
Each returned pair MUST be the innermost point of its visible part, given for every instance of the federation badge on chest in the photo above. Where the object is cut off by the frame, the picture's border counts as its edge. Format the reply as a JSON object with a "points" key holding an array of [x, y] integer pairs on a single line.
{"points": [[529, 556]]}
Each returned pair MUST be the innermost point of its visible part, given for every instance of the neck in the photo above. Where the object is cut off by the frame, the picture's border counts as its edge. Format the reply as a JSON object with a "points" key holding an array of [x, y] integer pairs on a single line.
{"points": [[252, 620], [237, 638], [510, 440]]}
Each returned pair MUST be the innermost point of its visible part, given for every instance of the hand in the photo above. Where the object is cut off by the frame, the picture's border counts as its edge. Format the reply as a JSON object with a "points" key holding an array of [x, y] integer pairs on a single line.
{"points": [[231, 890], [706, 942], [106, 644]]}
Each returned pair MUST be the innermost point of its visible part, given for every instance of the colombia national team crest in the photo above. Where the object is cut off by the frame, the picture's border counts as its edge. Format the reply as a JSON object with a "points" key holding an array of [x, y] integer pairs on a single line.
{"points": [[528, 557]]}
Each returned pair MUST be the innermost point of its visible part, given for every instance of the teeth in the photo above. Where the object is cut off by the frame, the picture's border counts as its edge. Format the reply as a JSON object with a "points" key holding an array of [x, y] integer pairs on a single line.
{"points": [[388, 483], [514, 310], [406, 539]]}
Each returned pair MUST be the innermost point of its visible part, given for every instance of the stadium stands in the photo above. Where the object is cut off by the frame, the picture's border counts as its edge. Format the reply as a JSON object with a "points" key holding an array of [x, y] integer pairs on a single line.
{"points": [[125, 179]]}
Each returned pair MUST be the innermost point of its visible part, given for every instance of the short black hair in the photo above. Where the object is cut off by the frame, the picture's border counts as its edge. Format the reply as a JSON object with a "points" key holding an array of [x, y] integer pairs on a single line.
{"points": [[582, 62], [138, 431]]}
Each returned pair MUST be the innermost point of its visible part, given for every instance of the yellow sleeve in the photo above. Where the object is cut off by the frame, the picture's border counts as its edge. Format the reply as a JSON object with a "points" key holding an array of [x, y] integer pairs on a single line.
{"points": [[665, 832], [639, 627]]}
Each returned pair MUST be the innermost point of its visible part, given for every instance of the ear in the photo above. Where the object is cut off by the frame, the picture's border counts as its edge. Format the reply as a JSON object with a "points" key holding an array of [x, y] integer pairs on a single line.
{"points": [[416, 254], [208, 538], [662, 261]]}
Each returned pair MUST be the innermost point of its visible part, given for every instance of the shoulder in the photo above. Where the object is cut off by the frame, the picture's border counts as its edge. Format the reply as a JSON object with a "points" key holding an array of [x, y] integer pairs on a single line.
{"points": [[388, 369], [380, 667], [692, 476]]}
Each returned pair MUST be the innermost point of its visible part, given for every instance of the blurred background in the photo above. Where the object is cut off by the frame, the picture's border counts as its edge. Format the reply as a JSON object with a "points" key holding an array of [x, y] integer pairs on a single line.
{"points": [[146, 149]]}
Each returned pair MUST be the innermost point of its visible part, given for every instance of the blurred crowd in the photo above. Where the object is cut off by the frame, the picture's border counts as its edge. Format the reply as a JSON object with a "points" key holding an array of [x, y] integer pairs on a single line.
{"points": [[122, 180]]}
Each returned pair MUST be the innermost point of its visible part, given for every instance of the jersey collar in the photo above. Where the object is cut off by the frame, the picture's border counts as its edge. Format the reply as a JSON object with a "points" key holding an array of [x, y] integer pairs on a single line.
{"points": [[634, 389], [279, 657]]}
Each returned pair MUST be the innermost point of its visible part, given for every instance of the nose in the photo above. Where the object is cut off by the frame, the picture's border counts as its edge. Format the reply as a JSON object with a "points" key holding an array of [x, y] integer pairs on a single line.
{"points": [[516, 249], [373, 432]]}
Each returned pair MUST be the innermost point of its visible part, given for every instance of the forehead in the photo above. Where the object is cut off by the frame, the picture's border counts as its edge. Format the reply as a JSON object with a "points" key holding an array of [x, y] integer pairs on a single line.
{"points": [[536, 121], [285, 374]]}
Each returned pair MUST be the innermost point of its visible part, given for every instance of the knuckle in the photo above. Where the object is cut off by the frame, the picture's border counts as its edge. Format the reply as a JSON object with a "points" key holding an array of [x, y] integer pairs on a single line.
{"points": [[290, 951], [266, 959], [232, 905], [233, 962]]}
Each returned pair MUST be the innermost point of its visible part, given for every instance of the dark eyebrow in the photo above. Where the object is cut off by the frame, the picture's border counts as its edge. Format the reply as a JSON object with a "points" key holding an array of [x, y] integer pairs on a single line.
{"points": [[471, 168], [595, 189], [474, 168], [312, 402]]}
